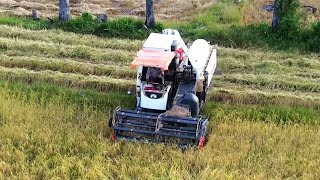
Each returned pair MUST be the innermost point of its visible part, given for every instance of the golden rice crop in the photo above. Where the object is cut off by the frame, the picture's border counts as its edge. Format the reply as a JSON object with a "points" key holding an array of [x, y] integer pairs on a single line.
{"points": [[271, 62], [99, 83], [66, 66], [28, 47], [63, 141], [264, 113], [282, 82], [227, 94], [66, 38], [233, 95]]}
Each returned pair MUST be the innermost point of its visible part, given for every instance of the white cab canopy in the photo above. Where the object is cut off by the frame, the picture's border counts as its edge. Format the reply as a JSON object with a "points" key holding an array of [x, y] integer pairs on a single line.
{"points": [[158, 42]]}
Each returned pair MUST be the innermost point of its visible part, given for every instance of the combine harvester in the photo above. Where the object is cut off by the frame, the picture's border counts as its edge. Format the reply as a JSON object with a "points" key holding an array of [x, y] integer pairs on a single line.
{"points": [[172, 84]]}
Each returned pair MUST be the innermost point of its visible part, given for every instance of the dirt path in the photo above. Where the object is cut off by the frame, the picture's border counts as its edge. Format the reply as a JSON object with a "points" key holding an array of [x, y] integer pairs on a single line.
{"points": [[165, 9]]}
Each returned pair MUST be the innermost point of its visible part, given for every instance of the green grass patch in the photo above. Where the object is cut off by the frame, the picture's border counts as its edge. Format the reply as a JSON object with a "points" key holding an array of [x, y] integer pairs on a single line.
{"points": [[27, 23], [220, 24], [130, 28]]}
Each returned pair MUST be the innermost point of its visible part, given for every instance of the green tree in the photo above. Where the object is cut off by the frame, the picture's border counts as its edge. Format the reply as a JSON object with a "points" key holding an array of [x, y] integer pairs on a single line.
{"points": [[289, 18]]}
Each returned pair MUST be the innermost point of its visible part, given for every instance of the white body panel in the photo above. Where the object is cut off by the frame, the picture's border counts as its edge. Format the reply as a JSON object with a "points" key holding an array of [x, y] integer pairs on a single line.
{"points": [[201, 55], [158, 42], [138, 85], [156, 104], [200, 51], [195, 57], [212, 65]]}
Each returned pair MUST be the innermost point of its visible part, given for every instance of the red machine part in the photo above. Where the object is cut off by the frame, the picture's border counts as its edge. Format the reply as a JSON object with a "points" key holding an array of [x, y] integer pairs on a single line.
{"points": [[151, 88], [201, 143], [180, 52]]}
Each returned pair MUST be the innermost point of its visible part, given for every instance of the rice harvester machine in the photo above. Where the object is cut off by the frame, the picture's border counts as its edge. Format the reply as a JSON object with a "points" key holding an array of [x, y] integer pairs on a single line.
{"points": [[171, 87]]}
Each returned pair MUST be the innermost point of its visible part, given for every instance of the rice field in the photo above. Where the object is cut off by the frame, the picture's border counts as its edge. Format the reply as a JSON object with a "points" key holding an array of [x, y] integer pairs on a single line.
{"points": [[58, 89]]}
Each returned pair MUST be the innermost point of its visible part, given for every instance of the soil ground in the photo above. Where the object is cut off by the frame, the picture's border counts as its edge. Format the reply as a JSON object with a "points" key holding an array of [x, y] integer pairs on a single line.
{"points": [[170, 10], [165, 9]]}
